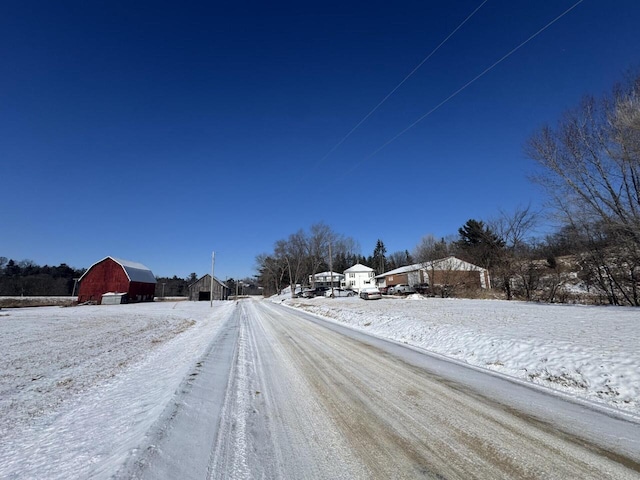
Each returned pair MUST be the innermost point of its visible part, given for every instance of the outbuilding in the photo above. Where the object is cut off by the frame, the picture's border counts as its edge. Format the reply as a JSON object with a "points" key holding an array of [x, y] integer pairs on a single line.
{"points": [[449, 271], [113, 275], [201, 289]]}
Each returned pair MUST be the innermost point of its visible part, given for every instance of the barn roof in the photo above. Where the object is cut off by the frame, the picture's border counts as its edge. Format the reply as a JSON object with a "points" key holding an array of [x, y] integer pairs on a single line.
{"points": [[207, 278], [136, 272]]}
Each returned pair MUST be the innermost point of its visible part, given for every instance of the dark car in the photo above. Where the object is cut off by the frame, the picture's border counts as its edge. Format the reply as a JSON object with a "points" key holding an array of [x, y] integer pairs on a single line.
{"points": [[314, 292]]}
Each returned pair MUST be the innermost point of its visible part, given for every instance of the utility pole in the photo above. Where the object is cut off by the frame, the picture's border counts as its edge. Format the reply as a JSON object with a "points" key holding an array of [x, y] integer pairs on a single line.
{"points": [[331, 269], [213, 260]]}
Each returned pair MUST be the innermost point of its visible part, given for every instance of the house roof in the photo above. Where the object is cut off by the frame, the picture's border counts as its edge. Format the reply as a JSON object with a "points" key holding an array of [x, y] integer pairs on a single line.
{"points": [[453, 263], [358, 267], [450, 262], [326, 274], [136, 272], [405, 269]]}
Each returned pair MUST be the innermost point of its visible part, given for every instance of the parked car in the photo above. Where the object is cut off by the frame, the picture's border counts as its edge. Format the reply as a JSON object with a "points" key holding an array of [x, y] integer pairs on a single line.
{"points": [[339, 292], [370, 293], [401, 289], [314, 292]]}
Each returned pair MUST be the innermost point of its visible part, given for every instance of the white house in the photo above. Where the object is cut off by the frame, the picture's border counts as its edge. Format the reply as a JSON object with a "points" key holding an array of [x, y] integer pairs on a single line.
{"points": [[326, 279], [359, 276]]}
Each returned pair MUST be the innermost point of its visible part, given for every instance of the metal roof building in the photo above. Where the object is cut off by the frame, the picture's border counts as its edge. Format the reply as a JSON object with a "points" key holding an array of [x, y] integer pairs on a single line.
{"points": [[448, 270], [114, 275]]}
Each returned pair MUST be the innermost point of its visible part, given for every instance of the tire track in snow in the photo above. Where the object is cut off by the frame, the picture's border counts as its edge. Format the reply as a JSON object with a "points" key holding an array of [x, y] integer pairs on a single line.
{"points": [[229, 456]]}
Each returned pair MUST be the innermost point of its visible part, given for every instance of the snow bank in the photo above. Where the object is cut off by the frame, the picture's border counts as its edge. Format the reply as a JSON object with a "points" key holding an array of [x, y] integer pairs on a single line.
{"points": [[586, 351]]}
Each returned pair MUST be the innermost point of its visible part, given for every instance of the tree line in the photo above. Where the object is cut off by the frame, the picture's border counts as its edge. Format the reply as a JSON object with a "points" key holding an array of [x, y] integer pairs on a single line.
{"points": [[589, 167], [174, 286], [26, 278]]}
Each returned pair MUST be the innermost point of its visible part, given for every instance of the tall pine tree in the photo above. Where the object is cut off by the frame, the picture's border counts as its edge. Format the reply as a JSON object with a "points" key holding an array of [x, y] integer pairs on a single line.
{"points": [[378, 260]]}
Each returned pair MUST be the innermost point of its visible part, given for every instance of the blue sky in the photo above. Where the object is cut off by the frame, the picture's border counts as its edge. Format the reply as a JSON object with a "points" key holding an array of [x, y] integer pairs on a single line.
{"points": [[161, 131]]}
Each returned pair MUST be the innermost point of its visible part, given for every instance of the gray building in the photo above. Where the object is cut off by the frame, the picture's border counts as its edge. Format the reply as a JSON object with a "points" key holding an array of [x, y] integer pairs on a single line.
{"points": [[201, 289]]}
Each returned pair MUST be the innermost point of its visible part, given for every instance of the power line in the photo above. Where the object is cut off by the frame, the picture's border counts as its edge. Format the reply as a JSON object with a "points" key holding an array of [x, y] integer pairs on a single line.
{"points": [[471, 81], [401, 83]]}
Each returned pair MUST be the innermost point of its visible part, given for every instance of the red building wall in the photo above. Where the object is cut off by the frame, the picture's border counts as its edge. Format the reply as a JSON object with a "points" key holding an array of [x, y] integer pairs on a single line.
{"points": [[141, 292], [109, 276]]}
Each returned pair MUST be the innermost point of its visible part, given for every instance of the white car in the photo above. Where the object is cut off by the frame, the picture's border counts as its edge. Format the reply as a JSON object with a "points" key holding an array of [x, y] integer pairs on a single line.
{"points": [[370, 293], [402, 289], [339, 292]]}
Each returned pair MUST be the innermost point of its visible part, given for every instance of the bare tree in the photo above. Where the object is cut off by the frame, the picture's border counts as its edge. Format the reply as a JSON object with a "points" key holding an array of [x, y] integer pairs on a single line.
{"points": [[346, 246], [398, 259], [430, 248], [317, 246], [301, 255], [345, 250], [591, 170], [271, 272], [293, 252], [517, 266]]}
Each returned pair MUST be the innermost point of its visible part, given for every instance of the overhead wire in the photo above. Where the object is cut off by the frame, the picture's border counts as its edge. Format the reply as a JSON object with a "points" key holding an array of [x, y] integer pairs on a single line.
{"points": [[401, 83], [466, 85]]}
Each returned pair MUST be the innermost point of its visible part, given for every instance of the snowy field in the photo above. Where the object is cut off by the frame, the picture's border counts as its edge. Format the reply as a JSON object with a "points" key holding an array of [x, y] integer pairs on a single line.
{"points": [[80, 387], [584, 351]]}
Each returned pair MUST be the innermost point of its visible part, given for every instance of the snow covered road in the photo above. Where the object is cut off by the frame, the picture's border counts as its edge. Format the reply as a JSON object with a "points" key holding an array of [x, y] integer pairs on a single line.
{"points": [[386, 414], [255, 389], [307, 401]]}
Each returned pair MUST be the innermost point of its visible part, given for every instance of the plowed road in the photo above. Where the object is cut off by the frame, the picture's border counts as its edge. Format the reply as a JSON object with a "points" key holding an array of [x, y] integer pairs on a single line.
{"points": [[282, 394]]}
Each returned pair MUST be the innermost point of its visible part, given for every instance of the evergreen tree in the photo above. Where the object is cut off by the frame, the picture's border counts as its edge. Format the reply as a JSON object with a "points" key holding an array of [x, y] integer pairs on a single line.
{"points": [[378, 258], [479, 244], [409, 259]]}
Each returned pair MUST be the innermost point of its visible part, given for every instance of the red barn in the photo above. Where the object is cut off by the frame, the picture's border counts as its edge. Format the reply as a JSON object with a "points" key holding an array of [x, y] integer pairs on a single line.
{"points": [[118, 276]]}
